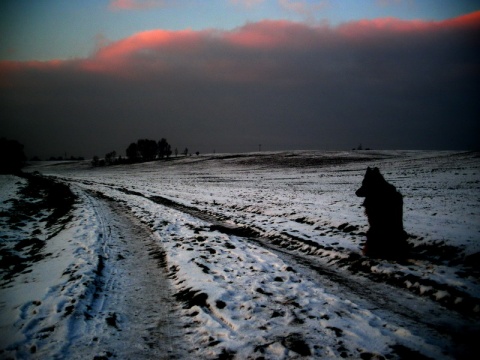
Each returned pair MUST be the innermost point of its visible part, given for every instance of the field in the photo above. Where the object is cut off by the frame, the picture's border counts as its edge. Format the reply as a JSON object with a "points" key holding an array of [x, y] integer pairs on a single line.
{"points": [[240, 256]]}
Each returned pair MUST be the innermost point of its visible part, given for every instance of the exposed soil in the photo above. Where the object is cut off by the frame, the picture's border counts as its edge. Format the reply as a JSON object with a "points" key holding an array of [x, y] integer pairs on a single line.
{"points": [[133, 302]]}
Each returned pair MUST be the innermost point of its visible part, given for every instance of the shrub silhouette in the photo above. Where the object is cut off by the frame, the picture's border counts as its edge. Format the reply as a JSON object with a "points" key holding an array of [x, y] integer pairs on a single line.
{"points": [[148, 149], [132, 152], [164, 149], [12, 157], [110, 158]]}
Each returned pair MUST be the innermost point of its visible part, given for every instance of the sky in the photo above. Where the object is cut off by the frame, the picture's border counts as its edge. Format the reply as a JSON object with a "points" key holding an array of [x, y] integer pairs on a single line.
{"points": [[85, 78]]}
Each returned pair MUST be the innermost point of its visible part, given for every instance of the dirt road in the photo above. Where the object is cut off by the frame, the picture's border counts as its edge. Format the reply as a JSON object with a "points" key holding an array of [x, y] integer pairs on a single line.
{"points": [[132, 316], [133, 312]]}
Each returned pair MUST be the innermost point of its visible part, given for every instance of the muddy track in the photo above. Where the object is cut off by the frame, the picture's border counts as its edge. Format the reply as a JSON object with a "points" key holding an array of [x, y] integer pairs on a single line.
{"points": [[349, 263], [418, 314], [132, 310]]}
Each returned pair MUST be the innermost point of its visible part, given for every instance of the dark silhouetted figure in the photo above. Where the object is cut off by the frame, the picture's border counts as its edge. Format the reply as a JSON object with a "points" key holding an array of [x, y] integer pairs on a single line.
{"points": [[384, 209]]}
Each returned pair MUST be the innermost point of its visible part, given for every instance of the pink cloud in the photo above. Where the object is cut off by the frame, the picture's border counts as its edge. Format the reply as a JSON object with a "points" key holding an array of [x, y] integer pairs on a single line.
{"points": [[304, 8], [247, 3], [135, 4], [364, 28], [471, 21], [379, 27], [150, 40], [253, 49], [9, 69], [389, 2], [155, 50], [267, 34]]}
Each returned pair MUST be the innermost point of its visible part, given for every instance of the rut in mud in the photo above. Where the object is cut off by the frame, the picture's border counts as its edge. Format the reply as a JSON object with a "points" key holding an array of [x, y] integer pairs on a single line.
{"points": [[132, 314]]}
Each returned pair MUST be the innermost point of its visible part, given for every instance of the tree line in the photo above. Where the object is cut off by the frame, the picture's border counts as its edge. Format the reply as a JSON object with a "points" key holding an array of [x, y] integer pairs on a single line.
{"points": [[12, 157], [140, 151]]}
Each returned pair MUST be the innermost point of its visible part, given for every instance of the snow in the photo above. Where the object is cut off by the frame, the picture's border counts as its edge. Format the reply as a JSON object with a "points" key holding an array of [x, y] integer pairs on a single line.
{"points": [[248, 297], [39, 299], [9, 186]]}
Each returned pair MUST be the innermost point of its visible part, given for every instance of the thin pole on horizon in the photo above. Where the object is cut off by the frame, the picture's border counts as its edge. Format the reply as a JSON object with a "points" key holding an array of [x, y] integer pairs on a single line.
{"points": [[259, 147]]}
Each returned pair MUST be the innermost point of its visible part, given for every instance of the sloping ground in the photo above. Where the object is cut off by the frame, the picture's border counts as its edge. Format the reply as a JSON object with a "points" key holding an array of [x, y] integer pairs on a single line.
{"points": [[32, 204], [48, 263], [216, 274], [80, 280], [267, 259], [305, 201]]}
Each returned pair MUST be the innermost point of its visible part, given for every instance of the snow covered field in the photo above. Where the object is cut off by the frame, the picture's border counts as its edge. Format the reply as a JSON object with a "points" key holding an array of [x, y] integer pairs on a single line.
{"points": [[262, 257]]}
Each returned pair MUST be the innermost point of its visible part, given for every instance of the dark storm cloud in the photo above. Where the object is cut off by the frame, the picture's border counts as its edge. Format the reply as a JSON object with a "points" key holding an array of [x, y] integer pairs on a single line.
{"points": [[384, 83]]}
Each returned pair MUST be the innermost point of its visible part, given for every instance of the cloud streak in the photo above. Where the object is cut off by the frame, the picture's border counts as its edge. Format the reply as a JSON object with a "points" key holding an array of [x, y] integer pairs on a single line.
{"points": [[306, 9], [247, 3], [387, 83], [136, 4]]}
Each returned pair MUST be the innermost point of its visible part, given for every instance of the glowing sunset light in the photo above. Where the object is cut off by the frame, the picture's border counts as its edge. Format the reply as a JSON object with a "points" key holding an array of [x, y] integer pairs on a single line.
{"points": [[135, 4], [298, 84], [154, 40], [465, 21], [266, 34]]}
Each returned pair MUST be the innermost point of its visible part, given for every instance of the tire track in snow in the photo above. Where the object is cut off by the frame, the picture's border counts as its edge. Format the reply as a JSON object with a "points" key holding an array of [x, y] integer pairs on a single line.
{"points": [[132, 314]]}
